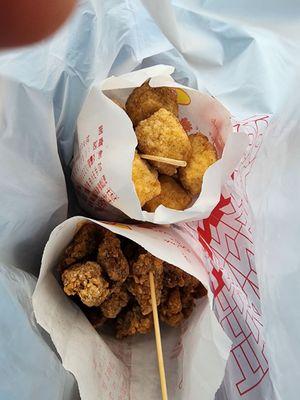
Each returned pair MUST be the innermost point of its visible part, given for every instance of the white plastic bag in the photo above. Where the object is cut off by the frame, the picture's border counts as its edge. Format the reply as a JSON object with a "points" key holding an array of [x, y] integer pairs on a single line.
{"points": [[247, 56], [106, 143], [25, 357]]}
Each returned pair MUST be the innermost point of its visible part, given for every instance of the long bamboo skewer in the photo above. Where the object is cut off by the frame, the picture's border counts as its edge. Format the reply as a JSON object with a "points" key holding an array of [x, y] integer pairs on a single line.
{"points": [[171, 161], [160, 358]]}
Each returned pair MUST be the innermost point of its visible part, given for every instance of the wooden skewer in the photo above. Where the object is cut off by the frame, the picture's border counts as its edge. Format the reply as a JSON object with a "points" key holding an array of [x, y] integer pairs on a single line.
{"points": [[171, 161], [160, 358]]}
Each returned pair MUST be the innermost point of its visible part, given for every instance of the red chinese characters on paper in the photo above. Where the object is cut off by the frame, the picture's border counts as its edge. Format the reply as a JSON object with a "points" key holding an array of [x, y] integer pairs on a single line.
{"points": [[101, 184]]}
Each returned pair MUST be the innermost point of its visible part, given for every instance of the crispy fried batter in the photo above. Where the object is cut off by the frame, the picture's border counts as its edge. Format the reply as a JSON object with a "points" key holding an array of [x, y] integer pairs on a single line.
{"points": [[139, 284], [86, 281], [191, 291], [170, 310], [111, 257], [145, 180], [131, 250], [84, 244], [107, 290], [145, 101], [116, 301], [202, 156], [187, 300], [162, 135], [174, 276], [199, 291], [172, 195], [95, 316], [132, 322]]}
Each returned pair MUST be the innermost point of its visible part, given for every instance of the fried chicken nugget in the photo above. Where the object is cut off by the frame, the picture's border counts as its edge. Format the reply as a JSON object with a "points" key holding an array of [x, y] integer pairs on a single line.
{"points": [[132, 322], [202, 156], [116, 301], [145, 180], [86, 281], [111, 257], [170, 310], [172, 195], [145, 101], [162, 135], [84, 244], [139, 283]]}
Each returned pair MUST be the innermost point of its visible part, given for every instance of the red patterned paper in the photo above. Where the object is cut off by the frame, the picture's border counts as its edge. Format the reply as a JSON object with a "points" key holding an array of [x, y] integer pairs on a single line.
{"points": [[227, 238]]}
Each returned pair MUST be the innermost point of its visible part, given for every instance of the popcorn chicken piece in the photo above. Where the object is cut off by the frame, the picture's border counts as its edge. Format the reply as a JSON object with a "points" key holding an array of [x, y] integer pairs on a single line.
{"points": [[170, 310], [202, 156], [111, 257], [145, 180], [132, 322], [145, 101], [174, 276], [139, 283], [95, 316], [131, 250], [188, 293], [172, 195], [84, 244], [115, 302], [86, 281], [162, 135]]}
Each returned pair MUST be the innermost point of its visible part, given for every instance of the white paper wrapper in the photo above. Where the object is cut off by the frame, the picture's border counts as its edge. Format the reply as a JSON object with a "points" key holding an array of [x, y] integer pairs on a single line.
{"points": [[106, 143], [195, 354]]}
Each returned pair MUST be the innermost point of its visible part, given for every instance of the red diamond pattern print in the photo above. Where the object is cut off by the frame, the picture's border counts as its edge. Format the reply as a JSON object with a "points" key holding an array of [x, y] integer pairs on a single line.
{"points": [[226, 237]]}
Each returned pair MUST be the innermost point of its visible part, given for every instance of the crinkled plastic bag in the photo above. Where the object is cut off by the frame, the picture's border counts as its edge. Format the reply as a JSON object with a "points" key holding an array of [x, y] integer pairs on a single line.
{"points": [[247, 56], [29, 369]]}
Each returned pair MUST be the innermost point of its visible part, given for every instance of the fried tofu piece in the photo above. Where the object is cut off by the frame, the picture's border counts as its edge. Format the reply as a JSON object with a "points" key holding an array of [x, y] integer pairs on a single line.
{"points": [[84, 244], [170, 311], [145, 101], [145, 180], [133, 322], [111, 258], [139, 283], [162, 135], [115, 302], [86, 281], [172, 195], [202, 156]]}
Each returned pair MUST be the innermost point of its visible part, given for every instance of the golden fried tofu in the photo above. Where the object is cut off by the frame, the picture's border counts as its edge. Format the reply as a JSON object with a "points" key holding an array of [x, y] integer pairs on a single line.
{"points": [[202, 156], [133, 322], [172, 195], [139, 283], [86, 281], [145, 180], [162, 135], [111, 257], [145, 101], [115, 302]]}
